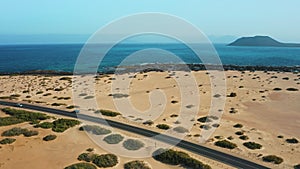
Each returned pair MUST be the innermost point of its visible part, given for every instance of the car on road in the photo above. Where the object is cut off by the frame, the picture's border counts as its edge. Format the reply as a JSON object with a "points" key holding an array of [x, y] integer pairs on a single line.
{"points": [[19, 105]]}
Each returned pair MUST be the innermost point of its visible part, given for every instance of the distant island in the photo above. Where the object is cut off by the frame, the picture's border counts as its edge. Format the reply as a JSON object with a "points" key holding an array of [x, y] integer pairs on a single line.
{"points": [[261, 41]]}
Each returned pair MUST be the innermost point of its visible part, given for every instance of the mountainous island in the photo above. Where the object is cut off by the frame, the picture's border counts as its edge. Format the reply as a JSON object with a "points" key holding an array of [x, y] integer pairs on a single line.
{"points": [[261, 41]]}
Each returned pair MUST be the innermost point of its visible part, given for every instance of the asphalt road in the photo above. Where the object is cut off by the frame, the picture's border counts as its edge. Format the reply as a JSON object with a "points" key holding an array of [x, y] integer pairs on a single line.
{"points": [[192, 147]]}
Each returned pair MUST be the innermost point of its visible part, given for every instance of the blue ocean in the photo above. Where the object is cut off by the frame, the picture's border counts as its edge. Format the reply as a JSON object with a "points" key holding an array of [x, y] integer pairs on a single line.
{"points": [[62, 57]]}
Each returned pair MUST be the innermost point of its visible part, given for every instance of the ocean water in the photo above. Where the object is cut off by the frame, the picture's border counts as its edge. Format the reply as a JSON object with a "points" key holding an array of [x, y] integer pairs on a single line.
{"points": [[62, 57]]}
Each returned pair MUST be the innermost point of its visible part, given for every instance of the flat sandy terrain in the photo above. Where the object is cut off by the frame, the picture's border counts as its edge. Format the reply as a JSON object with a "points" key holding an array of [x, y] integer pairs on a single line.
{"points": [[265, 113]]}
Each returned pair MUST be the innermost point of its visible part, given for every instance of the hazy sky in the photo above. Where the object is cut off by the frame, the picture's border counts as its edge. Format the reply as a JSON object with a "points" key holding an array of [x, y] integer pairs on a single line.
{"points": [[277, 18]]}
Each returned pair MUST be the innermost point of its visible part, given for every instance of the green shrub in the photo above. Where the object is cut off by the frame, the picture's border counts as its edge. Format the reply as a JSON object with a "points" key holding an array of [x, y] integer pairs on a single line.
{"points": [[30, 133], [81, 166], [148, 122], [49, 137], [66, 78], [62, 125], [39, 92], [6, 121], [180, 129], [47, 94], [25, 115], [238, 125], [292, 89], [204, 119], [90, 149], [232, 94], [277, 89], [97, 130], [252, 145], [297, 166], [273, 159], [58, 104], [88, 97], [239, 133], [205, 127], [132, 144], [58, 89], [292, 141], [244, 137], [136, 165], [178, 158], [44, 125], [16, 131], [106, 160], [70, 107], [113, 139], [225, 144], [163, 126], [107, 113], [88, 157], [7, 141]]}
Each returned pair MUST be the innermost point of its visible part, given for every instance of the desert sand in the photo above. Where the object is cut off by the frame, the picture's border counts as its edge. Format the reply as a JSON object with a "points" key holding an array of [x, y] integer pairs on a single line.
{"points": [[265, 114]]}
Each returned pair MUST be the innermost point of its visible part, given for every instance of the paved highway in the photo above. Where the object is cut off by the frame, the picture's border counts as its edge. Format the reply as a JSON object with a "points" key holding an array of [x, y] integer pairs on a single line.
{"points": [[192, 147]]}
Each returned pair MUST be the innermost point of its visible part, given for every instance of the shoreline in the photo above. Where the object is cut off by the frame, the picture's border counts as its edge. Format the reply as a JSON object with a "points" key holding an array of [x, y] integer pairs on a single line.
{"points": [[163, 67]]}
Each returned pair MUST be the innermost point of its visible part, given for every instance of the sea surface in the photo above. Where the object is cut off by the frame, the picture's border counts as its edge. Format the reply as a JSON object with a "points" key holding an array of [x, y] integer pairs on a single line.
{"points": [[62, 57]]}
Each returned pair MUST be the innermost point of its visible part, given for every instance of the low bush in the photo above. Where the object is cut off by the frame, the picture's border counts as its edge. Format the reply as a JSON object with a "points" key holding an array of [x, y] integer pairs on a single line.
{"points": [[25, 115], [58, 89], [88, 97], [292, 141], [232, 94], [58, 104], [252, 145], [66, 78], [239, 133], [178, 158], [180, 129], [107, 113], [88, 157], [226, 144], [30, 133], [204, 119], [47, 94], [70, 107], [244, 137], [90, 149], [277, 89], [136, 165], [118, 95], [61, 125], [16, 131], [216, 125], [97, 130], [39, 92], [163, 126], [238, 125], [44, 125], [273, 159], [106, 160], [132, 144], [81, 166], [148, 122], [297, 166], [205, 127], [49, 137], [6, 121], [292, 89], [7, 141], [113, 139]]}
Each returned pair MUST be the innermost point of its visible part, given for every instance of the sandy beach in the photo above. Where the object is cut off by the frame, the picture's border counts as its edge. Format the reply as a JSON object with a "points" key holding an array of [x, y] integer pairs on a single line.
{"points": [[266, 104]]}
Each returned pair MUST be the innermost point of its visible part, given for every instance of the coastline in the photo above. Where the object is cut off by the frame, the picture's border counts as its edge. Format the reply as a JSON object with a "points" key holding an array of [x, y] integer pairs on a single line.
{"points": [[164, 67]]}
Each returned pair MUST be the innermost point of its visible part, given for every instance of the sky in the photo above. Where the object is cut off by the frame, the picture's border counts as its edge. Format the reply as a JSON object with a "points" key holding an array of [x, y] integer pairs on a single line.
{"points": [[221, 20]]}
